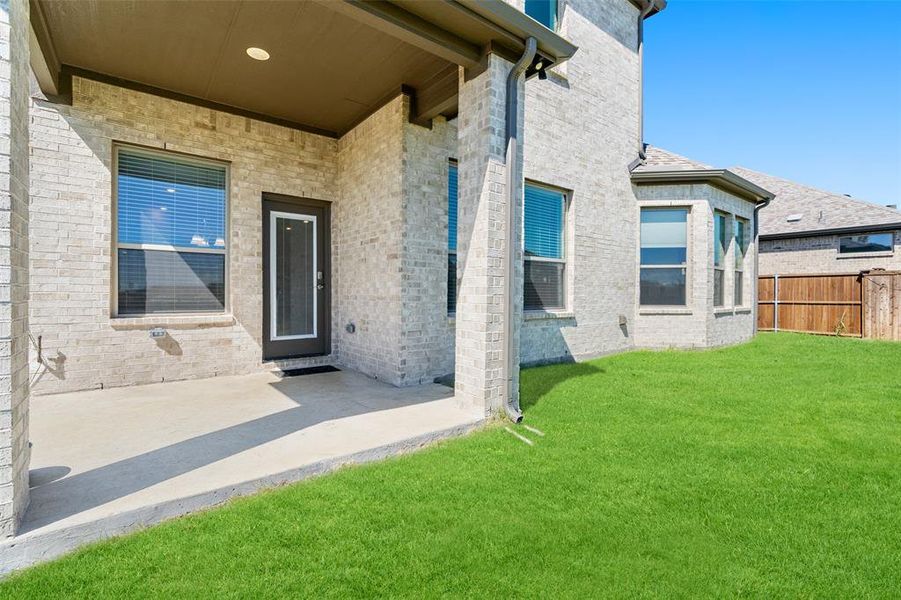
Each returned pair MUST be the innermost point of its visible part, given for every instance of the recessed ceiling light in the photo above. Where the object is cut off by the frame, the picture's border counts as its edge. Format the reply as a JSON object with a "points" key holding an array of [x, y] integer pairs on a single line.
{"points": [[257, 53]]}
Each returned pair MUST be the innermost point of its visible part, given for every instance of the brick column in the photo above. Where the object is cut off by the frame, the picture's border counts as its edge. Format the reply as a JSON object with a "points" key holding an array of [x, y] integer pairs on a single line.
{"points": [[481, 235], [14, 85]]}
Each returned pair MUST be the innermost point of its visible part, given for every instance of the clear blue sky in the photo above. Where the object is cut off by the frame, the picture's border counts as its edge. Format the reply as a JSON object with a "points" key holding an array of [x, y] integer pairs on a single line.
{"points": [[806, 90]]}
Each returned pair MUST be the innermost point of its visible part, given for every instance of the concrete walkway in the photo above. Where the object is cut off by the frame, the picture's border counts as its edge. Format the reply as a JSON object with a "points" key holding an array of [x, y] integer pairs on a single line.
{"points": [[111, 461]]}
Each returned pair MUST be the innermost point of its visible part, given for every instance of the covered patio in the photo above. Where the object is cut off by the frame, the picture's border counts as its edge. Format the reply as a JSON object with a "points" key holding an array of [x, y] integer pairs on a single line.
{"points": [[106, 462], [328, 118]]}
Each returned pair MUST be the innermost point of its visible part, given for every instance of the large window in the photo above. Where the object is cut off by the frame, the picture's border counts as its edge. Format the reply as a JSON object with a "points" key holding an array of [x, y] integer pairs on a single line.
{"points": [[545, 262], [452, 237], [664, 252], [170, 233], [543, 11], [870, 242], [740, 227], [720, 245]]}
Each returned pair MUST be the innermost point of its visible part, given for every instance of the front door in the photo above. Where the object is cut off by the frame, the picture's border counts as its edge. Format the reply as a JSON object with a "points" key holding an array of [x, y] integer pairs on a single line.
{"points": [[296, 313]]}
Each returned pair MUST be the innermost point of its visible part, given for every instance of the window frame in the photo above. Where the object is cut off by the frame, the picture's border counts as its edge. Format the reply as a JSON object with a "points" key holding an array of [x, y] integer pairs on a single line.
{"points": [[867, 253], [721, 268], [555, 14], [452, 163], [564, 244], [114, 230], [687, 265], [738, 273]]}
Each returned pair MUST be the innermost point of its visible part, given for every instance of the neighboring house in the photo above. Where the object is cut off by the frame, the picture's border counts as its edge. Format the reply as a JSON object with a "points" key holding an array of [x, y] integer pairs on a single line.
{"points": [[805, 230], [195, 210]]}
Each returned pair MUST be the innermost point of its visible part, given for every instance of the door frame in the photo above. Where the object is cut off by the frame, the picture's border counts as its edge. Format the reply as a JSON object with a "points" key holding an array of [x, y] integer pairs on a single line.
{"points": [[295, 205]]}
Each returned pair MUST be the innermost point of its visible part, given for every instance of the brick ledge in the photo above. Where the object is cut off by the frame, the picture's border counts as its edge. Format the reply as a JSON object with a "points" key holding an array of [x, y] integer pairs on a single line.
{"points": [[172, 321]]}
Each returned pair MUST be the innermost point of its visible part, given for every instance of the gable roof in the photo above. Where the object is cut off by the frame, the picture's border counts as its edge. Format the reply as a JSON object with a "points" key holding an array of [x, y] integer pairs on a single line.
{"points": [[813, 210], [664, 167]]}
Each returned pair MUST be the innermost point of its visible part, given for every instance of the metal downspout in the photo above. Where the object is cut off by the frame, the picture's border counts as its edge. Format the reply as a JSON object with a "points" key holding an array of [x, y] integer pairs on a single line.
{"points": [[514, 177], [756, 305], [642, 15]]}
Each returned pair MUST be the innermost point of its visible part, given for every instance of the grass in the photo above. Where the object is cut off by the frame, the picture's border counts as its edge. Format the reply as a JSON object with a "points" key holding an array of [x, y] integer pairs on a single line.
{"points": [[768, 469]]}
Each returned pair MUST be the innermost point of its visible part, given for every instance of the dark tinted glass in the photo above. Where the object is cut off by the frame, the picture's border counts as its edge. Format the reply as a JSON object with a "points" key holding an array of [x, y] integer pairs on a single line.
{"points": [[873, 242], [718, 292], [663, 287], [543, 285], [451, 283], [155, 281]]}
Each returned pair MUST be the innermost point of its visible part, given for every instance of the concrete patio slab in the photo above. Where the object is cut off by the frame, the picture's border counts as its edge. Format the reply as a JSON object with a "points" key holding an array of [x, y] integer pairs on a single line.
{"points": [[106, 462]]}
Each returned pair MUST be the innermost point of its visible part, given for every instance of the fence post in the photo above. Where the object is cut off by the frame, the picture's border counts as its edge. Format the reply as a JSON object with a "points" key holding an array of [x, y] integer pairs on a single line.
{"points": [[776, 302]]}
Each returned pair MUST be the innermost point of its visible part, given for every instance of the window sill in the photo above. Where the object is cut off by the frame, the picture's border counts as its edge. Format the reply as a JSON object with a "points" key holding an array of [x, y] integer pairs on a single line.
{"points": [[543, 315], [663, 310], [743, 310], [172, 321], [724, 310], [865, 255]]}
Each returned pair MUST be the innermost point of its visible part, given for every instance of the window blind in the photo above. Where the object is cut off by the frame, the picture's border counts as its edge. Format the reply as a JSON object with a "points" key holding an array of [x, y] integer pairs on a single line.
{"points": [[543, 222], [452, 207], [171, 214], [452, 238], [165, 201]]}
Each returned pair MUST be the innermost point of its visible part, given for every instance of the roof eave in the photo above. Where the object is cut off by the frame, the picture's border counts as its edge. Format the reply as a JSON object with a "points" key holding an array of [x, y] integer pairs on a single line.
{"points": [[551, 44], [658, 6], [877, 228], [720, 178]]}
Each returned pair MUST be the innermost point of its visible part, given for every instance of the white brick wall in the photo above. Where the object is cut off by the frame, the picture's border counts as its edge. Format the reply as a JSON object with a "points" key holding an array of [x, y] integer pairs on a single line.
{"points": [[581, 134], [700, 324], [14, 383], [428, 341], [72, 240], [820, 255], [387, 180], [479, 378], [368, 244]]}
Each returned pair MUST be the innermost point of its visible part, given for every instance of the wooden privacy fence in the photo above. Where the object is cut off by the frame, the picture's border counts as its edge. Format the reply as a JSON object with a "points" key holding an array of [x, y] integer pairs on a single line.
{"points": [[864, 304]]}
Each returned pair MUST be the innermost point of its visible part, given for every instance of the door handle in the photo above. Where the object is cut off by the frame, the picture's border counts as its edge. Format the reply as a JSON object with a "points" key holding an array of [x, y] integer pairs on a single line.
{"points": [[319, 284]]}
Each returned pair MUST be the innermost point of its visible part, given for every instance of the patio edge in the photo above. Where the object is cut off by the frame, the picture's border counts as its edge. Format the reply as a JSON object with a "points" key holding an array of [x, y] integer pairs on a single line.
{"points": [[29, 550]]}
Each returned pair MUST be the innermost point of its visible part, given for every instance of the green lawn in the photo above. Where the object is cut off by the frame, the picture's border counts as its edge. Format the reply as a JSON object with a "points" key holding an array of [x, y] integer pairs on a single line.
{"points": [[768, 469]]}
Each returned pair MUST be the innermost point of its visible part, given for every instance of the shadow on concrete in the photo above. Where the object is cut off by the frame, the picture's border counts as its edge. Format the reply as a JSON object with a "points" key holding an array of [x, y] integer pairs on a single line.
{"points": [[45, 475], [318, 400]]}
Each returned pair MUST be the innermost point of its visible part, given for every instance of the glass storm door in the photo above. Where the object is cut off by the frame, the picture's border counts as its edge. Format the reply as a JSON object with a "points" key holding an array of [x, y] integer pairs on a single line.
{"points": [[295, 277]]}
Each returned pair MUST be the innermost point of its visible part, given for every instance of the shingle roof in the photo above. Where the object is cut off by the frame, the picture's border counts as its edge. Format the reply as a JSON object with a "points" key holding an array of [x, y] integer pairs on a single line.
{"points": [[659, 159], [665, 167], [811, 209]]}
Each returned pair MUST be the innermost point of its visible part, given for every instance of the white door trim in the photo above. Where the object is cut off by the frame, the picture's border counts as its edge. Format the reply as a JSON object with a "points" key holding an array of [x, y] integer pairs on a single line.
{"points": [[273, 263]]}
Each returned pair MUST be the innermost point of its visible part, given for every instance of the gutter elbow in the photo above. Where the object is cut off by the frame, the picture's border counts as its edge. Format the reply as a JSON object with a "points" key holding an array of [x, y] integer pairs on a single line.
{"points": [[513, 412]]}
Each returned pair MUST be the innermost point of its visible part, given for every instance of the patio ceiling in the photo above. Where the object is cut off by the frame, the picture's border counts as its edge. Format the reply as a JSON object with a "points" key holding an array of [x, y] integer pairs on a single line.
{"points": [[332, 62]]}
